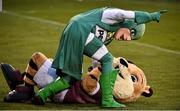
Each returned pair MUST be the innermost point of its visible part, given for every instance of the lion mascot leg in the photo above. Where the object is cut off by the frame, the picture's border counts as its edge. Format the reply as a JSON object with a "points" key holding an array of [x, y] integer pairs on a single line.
{"points": [[22, 85]]}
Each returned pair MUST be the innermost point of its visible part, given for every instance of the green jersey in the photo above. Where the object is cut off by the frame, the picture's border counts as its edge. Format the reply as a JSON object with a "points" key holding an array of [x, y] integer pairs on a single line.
{"points": [[69, 57]]}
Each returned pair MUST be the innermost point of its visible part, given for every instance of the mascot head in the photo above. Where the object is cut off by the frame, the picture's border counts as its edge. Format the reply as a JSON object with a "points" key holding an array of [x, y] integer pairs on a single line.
{"points": [[130, 83], [137, 30]]}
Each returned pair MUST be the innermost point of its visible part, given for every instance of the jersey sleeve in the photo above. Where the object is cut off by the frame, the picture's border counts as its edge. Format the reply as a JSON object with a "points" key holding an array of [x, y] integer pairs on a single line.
{"points": [[115, 15]]}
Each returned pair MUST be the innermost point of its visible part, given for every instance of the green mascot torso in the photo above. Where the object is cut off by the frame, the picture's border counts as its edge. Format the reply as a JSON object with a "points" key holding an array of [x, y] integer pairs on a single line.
{"points": [[74, 37]]}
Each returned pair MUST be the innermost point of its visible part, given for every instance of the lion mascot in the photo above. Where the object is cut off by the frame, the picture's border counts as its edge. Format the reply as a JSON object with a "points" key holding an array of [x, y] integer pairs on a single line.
{"points": [[130, 84]]}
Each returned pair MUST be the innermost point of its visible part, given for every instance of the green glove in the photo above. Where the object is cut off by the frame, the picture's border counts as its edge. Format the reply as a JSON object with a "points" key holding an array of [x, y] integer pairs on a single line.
{"points": [[156, 15], [145, 17]]}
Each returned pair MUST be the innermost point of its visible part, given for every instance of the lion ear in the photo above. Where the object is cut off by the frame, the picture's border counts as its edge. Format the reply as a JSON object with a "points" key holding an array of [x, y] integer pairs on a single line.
{"points": [[148, 92], [123, 62]]}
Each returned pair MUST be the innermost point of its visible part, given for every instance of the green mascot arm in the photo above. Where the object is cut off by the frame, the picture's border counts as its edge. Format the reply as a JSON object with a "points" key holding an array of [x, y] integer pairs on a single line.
{"points": [[145, 17]]}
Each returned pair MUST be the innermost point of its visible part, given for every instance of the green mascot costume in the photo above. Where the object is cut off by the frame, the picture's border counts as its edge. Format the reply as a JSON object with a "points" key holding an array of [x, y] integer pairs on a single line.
{"points": [[88, 34]]}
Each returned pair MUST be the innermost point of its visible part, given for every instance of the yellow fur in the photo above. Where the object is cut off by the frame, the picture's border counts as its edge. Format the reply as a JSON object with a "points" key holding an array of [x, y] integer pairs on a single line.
{"points": [[125, 90]]}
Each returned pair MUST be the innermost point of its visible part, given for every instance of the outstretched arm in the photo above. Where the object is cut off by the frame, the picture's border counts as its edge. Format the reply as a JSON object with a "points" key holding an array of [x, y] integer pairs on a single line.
{"points": [[145, 17], [115, 15]]}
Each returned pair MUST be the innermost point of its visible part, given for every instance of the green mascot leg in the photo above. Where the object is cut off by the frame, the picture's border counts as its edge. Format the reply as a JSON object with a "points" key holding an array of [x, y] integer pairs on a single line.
{"points": [[107, 81], [107, 85], [51, 89], [98, 51]]}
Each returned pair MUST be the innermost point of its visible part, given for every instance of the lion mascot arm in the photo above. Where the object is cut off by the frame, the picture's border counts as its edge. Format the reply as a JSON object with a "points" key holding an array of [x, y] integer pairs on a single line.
{"points": [[90, 82]]}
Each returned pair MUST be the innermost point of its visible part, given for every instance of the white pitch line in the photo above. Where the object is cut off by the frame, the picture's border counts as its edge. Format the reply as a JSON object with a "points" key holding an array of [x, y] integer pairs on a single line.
{"points": [[34, 18], [63, 24], [157, 48]]}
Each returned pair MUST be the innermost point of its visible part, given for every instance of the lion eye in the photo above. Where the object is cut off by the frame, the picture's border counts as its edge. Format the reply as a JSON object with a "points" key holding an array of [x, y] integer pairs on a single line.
{"points": [[134, 78]]}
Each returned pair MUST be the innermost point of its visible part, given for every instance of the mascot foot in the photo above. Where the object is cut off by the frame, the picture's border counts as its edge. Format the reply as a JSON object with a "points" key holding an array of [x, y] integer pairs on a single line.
{"points": [[113, 104], [37, 100], [12, 76], [20, 94]]}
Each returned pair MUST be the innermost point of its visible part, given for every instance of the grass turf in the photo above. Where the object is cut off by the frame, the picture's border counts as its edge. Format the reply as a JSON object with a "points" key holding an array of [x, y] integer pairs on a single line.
{"points": [[21, 36]]}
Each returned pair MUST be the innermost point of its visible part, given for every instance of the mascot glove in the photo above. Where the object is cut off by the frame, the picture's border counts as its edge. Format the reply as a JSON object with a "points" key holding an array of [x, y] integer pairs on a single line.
{"points": [[156, 15]]}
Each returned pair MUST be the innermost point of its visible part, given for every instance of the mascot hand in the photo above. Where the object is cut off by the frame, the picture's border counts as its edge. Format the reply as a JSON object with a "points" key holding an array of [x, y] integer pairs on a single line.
{"points": [[156, 15], [90, 81]]}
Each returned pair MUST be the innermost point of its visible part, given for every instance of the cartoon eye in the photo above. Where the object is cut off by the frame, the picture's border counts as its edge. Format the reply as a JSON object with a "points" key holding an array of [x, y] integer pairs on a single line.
{"points": [[134, 78], [132, 32]]}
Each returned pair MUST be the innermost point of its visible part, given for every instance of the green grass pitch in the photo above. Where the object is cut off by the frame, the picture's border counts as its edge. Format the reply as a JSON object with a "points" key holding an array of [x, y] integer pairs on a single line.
{"points": [[27, 26]]}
